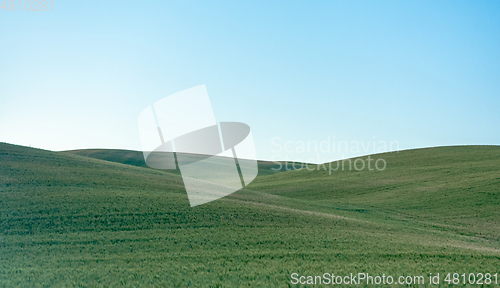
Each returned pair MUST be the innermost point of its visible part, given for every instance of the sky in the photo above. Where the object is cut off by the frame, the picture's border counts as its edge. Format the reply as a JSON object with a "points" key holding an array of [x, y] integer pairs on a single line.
{"points": [[304, 76]]}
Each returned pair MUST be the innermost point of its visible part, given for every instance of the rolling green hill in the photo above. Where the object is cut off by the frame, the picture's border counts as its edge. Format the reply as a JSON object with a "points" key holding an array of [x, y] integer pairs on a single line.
{"points": [[129, 157], [68, 220], [454, 188], [136, 158]]}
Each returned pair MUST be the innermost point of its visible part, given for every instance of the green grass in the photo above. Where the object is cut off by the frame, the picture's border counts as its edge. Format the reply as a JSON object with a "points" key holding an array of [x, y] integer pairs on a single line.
{"points": [[68, 220]]}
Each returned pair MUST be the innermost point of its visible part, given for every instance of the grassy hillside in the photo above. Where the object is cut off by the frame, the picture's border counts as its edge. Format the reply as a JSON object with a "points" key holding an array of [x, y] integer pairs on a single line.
{"points": [[136, 158], [67, 220], [453, 188], [128, 157]]}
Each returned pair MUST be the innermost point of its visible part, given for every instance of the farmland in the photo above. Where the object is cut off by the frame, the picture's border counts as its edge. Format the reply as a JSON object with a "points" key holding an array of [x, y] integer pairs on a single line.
{"points": [[72, 220]]}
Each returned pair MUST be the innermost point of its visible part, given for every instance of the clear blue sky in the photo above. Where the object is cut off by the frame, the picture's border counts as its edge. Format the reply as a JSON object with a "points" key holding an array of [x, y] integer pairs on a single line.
{"points": [[421, 73]]}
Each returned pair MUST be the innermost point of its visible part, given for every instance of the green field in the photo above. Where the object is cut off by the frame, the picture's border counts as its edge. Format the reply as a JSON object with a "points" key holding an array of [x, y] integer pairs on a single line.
{"points": [[70, 220]]}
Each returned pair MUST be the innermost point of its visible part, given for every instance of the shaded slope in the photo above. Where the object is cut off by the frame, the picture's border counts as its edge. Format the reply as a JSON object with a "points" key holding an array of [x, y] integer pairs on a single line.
{"points": [[136, 158], [129, 157]]}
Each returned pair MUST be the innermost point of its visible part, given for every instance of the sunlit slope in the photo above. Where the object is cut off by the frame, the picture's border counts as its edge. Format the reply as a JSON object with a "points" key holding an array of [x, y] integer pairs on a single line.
{"points": [[30, 167], [67, 220], [444, 185], [136, 158]]}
